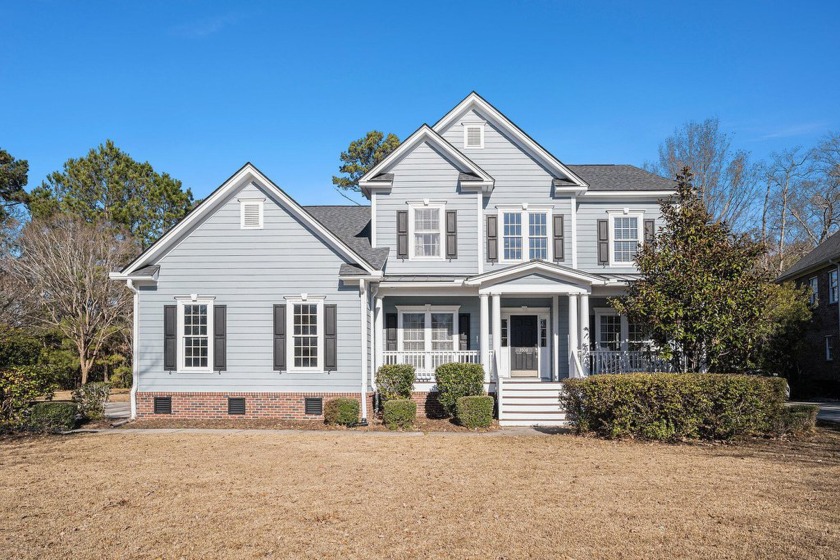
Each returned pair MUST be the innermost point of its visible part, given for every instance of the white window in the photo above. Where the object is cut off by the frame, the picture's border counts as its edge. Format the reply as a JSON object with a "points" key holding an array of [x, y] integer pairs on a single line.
{"points": [[609, 332], [443, 331], [829, 349], [414, 332], [473, 135], [626, 235], [525, 234], [251, 213], [815, 289], [195, 335], [636, 339], [428, 328], [426, 233], [832, 286], [305, 325]]}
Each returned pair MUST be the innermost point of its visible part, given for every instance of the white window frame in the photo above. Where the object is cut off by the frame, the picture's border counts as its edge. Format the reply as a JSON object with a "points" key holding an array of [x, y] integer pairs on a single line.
{"points": [[624, 328], [833, 286], [829, 349], [814, 284], [182, 302], [290, 330], [441, 208], [428, 310], [525, 210], [467, 127], [245, 201], [640, 231]]}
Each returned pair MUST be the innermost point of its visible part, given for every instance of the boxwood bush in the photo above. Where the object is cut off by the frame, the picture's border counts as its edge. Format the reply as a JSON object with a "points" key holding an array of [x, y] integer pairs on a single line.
{"points": [[395, 381], [399, 414], [52, 416], [458, 380], [671, 407], [91, 399], [474, 412], [798, 419], [342, 411]]}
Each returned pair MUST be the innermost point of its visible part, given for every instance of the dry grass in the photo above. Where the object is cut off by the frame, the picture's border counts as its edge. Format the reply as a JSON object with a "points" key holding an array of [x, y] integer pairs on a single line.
{"points": [[349, 495]]}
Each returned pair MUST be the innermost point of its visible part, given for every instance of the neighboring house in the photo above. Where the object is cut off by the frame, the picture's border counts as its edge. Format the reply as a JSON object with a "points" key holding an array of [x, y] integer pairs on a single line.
{"points": [[478, 246], [819, 362]]}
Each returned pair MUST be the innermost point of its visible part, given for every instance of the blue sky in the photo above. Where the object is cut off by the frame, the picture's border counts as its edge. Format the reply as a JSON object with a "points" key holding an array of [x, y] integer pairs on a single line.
{"points": [[197, 88]]}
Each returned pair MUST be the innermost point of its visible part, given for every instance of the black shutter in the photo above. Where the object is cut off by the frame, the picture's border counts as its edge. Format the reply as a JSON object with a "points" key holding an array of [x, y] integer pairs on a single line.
{"points": [[402, 234], [492, 238], [391, 332], [463, 331], [559, 245], [603, 242], [280, 337], [650, 229], [330, 338], [170, 337], [219, 337], [451, 234]]}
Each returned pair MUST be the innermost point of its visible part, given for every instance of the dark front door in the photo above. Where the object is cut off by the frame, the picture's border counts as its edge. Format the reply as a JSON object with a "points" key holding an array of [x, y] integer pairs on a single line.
{"points": [[523, 343]]}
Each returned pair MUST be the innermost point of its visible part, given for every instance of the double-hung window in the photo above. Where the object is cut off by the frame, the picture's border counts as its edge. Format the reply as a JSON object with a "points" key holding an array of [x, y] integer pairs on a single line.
{"points": [[829, 349], [609, 332], [832, 286], [626, 238], [525, 235], [537, 235], [512, 235], [428, 335], [426, 226], [814, 284], [195, 335], [305, 342]]}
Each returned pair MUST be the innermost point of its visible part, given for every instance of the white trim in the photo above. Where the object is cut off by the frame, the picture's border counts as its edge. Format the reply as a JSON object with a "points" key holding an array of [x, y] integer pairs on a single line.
{"points": [[534, 266], [427, 310], [363, 310], [640, 232], [481, 233], [412, 209], [467, 126], [629, 194], [814, 285], [135, 347], [833, 293], [304, 299], [574, 211], [601, 312], [373, 219], [243, 202], [194, 300], [525, 210]]}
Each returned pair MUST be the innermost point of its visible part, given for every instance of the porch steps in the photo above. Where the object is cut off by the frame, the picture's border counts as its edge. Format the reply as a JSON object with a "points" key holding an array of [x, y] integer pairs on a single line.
{"points": [[530, 402]]}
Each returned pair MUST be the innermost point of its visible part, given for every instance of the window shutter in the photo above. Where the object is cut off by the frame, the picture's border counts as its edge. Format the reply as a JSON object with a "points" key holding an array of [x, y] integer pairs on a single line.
{"points": [[391, 332], [650, 229], [170, 337], [463, 331], [330, 337], [451, 234], [280, 337], [220, 337], [559, 245], [603, 242], [402, 234], [492, 238]]}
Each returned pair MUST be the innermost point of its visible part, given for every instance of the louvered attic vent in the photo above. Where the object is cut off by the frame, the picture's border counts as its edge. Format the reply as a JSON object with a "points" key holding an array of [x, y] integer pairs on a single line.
{"points": [[236, 405], [313, 406], [163, 405], [251, 213]]}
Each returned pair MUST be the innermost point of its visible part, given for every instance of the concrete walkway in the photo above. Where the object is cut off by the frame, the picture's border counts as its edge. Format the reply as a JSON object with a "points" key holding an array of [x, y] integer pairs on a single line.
{"points": [[117, 411], [829, 410]]}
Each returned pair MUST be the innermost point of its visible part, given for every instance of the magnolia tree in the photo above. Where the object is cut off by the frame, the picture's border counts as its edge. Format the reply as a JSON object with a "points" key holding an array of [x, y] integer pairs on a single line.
{"points": [[706, 300]]}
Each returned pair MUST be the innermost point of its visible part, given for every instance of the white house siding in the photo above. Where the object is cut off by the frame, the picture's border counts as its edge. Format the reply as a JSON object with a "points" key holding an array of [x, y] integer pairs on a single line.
{"points": [[426, 174], [249, 271]]}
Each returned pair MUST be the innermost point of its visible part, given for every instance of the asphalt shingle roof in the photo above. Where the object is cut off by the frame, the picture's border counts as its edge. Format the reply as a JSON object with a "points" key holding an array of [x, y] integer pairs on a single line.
{"points": [[819, 256], [620, 178], [351, 224]]}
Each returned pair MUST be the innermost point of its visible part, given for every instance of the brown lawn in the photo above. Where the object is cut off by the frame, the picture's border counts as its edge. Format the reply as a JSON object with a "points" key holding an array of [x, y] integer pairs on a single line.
{"points": [[260, 494]]}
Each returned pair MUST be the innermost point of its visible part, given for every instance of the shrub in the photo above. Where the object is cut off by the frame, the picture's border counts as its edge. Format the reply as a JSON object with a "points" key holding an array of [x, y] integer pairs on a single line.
{"points": [[342, 411], [52, 416], [395, 381], [121, 377], [474, 412], [458, 380], [798, 419], [670, 407], [19, 387], [399, 414], [91, 399]]}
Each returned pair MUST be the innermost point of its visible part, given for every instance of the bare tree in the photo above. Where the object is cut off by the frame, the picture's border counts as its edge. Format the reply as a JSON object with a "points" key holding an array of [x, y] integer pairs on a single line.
{"points": [[725, 178], [61, 273]]}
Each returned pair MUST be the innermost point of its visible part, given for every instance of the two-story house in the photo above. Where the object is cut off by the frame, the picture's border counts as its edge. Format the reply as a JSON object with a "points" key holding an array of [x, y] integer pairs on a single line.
{"points": [[478, 246]]}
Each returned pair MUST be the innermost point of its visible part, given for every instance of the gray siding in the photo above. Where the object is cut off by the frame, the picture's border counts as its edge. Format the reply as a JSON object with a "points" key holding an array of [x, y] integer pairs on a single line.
{"points": [[249, 271], [589, 212], [468, 305]]}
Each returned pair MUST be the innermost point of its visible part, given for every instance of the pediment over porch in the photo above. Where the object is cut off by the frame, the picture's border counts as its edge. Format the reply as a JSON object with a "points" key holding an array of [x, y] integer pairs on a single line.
{"points": [[538, 277]]}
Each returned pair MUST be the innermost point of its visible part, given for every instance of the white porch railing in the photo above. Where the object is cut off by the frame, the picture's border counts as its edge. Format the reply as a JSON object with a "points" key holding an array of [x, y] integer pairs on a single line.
{"points": [[425, 363], [618, 361]]}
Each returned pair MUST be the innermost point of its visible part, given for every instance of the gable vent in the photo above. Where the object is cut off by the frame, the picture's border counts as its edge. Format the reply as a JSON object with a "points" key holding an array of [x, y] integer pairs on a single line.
{"points": [[474, 136], [236, 405], [163, 405], [252, 214], [313, 406]]}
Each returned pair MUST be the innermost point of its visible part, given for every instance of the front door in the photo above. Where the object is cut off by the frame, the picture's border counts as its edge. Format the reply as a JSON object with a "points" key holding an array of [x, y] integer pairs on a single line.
{"points": [[524, 351]]}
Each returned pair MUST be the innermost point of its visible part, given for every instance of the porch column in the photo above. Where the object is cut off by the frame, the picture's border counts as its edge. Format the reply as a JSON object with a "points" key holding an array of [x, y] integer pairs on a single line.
{"points": [[497, 332], [555, 338], [573, 334], [484, 334], [584, 331], [378, 331]]}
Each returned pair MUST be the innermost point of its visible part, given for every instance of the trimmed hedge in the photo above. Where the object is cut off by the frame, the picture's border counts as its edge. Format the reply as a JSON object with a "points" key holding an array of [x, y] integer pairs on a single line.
{"points": [[474, 412], [52, 416], [91, 399], [399, 414], [342, 411], [798, 419], [458, 380], [675, 406], [395, 381]]}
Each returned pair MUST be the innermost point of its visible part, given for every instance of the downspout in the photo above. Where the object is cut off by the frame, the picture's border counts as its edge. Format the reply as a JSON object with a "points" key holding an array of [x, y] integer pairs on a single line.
{"points": [[135, 366], [363, 332], [372, 293]]}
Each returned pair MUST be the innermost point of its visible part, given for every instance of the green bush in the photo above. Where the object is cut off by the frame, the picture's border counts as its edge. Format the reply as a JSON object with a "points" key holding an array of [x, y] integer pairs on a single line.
{"points": [[458, 380], [19, 387], [399, 414], [121, 377], [798, 419], [52, 416], [91, 398], [671, 407], [342, 411], [395, 381], [474, 412]]}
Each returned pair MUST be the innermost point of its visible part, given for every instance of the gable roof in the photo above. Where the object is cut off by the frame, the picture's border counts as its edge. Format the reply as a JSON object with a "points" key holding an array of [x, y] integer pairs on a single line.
{"points": [[607, 177], [536, 267], [248, 173], [817, 258], [377, 177], [475, 101], [351, 224]]}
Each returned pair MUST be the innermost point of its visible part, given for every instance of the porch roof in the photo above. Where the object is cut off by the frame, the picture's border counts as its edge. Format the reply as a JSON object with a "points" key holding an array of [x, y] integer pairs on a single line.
{"points": [[540, 268]]}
